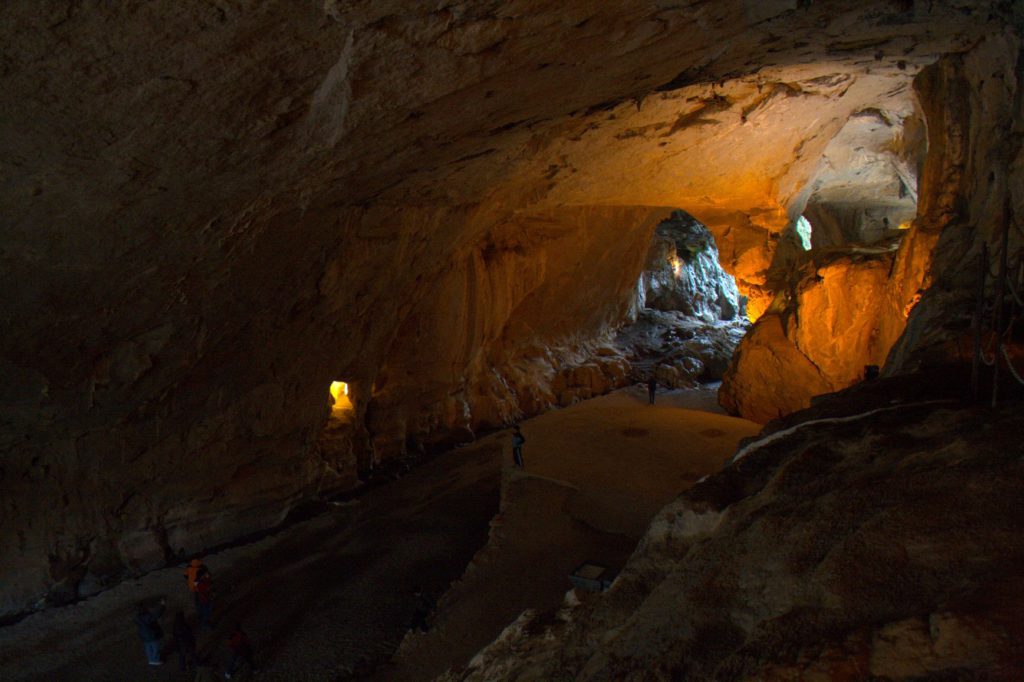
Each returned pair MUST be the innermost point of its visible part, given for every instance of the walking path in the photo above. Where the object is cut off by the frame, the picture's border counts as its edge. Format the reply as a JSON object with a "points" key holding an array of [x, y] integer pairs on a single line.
{"points": [[324, 598], [596, 474]]}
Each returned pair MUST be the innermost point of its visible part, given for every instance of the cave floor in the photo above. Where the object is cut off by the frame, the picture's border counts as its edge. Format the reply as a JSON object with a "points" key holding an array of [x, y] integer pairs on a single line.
{"points": [[596, 474], [324, 597]]}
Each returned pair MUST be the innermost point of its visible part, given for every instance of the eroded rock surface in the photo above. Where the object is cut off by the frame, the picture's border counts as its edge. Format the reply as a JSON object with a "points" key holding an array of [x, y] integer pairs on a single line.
{"points": [[815, 556], [852, 312], [840, 316]]}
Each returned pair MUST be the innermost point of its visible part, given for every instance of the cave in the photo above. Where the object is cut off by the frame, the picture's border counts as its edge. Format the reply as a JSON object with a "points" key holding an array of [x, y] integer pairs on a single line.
{"points": [[280, 279]]}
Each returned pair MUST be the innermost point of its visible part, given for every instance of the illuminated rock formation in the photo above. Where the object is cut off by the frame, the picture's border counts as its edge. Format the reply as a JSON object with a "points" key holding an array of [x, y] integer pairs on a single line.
{"points": [[851, 312], [211, 212], [842, 315]]}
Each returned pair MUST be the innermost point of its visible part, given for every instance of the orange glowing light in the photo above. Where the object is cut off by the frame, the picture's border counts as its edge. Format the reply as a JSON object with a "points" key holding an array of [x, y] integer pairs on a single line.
{"points": [[905, 225], [914, 300], [339, 394]]}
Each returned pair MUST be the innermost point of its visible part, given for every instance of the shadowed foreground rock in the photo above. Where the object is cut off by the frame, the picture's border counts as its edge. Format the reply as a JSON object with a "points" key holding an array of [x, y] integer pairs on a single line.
{"points": [[888, 546]]}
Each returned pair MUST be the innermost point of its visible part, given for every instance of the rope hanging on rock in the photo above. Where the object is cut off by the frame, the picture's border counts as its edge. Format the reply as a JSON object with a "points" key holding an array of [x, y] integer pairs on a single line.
{"points": [[1009, 365]]}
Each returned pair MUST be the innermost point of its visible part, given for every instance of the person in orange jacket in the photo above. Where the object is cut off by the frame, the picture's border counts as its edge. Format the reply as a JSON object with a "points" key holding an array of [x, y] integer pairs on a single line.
{"points": [[200, 584], [192, 573]]}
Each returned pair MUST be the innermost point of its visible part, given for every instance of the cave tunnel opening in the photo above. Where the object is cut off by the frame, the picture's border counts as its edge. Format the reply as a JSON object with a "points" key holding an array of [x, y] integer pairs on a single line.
{"points": [[341, 400], [690, 315], [865, 190]]}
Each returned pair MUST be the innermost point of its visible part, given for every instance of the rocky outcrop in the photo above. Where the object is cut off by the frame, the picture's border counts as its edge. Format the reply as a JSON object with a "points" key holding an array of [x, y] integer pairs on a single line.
{"points": [[683, 273], [808, 557], [972, 196], [212, 211], [852, 312], [678, 349], [843, 314]]}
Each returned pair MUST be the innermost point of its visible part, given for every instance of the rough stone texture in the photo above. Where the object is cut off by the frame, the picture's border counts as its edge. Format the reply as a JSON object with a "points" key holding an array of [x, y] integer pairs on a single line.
{"points": [[867, 185], [851, 313], [683, 273], [844, 313], [975, 189], [769, 376], [813, 557], [210, 211]]}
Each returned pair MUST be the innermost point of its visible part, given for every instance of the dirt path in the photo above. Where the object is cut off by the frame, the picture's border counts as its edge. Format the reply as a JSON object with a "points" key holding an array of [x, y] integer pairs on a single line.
{"points": [[596, 474], [328, 593]]}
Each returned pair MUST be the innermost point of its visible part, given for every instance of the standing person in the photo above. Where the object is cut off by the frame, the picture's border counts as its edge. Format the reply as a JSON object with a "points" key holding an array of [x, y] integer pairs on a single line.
{"points": [[204, 597], [184, 642], [150, 632], [517, 446], [241, 650], [652, 387], [192, 572]]}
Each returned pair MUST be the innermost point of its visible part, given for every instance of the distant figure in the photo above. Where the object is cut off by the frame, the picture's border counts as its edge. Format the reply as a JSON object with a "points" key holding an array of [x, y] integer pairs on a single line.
{"points": [[517, 446], [192, 573], [241, 651], [184, 642], [204, 597], [150, 632], [652, 387], [424, 607]]}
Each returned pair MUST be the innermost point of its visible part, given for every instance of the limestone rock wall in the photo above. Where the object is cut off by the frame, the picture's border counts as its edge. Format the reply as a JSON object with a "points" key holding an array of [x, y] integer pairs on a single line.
{"points": [[210, 211], [853, 312], [973, 190], [683, 272], [504, 318], [844, 312]]}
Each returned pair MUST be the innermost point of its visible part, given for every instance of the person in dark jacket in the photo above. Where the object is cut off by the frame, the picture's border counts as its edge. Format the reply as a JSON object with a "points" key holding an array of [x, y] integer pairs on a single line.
{"points": [[150, 632], [241, 650], [184, 642], [518, 439], [652, 388]]}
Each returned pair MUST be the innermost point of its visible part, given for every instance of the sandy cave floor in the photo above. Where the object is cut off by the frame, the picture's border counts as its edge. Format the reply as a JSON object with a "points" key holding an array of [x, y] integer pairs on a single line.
{"points": [[325, 594]]}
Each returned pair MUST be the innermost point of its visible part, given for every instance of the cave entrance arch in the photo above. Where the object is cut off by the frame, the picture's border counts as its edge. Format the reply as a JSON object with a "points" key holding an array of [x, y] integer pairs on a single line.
{"points": [[689, 314]]}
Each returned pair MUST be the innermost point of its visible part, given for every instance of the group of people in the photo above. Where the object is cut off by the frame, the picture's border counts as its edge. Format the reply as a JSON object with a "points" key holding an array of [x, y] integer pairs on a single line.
{"points": [[200, 586]]}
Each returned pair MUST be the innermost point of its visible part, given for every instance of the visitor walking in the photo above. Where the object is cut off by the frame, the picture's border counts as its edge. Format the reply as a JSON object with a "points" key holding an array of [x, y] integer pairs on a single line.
{"points": [[517, 446], [652, 387], [204, 597], [184, 642], [150, 632], [241, 651]]}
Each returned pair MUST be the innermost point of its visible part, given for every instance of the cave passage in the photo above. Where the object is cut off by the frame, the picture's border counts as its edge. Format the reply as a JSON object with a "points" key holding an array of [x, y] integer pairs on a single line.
{"points": [[341, 401], [378, 231]]}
